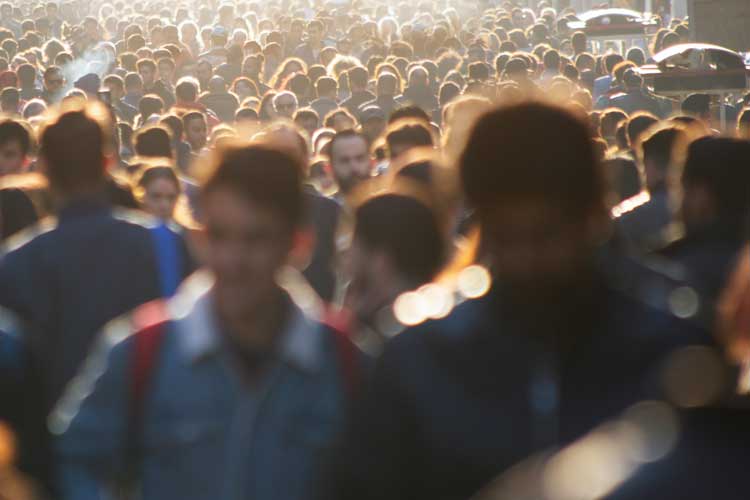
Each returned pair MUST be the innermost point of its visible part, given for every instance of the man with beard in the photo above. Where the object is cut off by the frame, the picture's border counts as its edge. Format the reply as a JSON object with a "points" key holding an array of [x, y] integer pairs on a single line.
{"points": [[562, 340], [350, 161]]}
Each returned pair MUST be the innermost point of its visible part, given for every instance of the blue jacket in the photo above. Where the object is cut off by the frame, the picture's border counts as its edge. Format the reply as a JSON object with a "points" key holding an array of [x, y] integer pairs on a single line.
{"points": [[455, 402], [206, 433], [65, 279]]}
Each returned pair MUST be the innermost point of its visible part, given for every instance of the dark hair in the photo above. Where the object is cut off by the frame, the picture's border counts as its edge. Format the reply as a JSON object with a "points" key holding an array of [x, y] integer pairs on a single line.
{"points": [[248, 114], [154, 141], [325, 85], [696, 104], [12, 130], [174, 124], [533, 150], [357, 77], [413, 112], [406, 230], [479, 71], [263, 175], [71, 168], [186, 90], [146, 63], [150, 174], [344, 134], [721, 165], [192, 115], [638, 124], [659, 147], [149, 105], [410, 134], [26, 75]]}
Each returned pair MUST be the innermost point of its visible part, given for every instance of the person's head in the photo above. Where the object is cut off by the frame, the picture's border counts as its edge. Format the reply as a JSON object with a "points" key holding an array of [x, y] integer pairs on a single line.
{"points": [[631, 80], [419, 77], [357, 79], [397, 246], [133, 84], [166, 67], [340, 120], [326, 87], [531, 173], [551, 60], [579, 42], [315, 31], [53, 80], [196, 130], [387, 84], [657, 153], [153, 142], [716, 183], [217, 85], [148, 105], [350, 159], [639, 123], [405, 135], [15, 143], [186, 90], [159, 190], [204, 71], [308, 120], [252, 209], [609, 122], [373, 123], [285, 104], [610, 61], [147, 70], [72, 171], [698, 106], [26, 76], [10, 100], [636, 55], [115, 85]]}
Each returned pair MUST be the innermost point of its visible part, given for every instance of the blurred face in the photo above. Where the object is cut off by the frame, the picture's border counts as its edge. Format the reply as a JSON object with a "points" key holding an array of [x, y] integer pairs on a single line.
{"points": [[315, 33], [373, 282], [342, 122], [251, 67], [195, 134], [54, 82], [166, 72], [350, 161], [160, 198], [247, 243], [533, 247], [204, 72], [285, 107], [147, 75], [11, 158]]}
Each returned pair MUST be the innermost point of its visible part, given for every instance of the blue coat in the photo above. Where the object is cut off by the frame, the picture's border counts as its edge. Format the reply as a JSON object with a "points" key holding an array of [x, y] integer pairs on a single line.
{"points": [[455, 402], [206, 432]]}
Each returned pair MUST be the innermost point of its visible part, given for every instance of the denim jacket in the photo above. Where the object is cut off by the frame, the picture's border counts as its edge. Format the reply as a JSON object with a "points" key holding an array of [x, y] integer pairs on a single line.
{"points": [[206, 433]]}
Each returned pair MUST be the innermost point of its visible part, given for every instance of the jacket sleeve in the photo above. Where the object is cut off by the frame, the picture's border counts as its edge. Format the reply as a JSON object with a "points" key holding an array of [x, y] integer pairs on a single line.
{"points": [[90, 423]]}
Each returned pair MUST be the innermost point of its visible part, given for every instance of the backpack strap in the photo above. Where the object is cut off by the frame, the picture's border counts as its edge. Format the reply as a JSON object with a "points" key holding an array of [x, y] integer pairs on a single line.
{"points": [[150, 322], [169, 258]]}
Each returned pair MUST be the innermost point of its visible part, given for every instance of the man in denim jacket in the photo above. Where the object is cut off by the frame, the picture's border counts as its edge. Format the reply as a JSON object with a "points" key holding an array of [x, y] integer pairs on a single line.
{"points": [[247, 392]]}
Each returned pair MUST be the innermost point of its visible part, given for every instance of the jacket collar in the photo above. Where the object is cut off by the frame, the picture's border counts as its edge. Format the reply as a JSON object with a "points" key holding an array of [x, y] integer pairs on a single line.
{"points": [[199, 335]]}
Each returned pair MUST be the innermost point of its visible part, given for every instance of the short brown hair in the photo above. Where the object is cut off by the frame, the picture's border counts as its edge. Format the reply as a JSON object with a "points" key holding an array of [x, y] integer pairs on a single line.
{"points": [[262, 174], [87, 126]]}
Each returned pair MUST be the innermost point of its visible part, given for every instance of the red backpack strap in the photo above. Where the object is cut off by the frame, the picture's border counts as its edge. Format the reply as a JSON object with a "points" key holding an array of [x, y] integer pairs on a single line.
{"points": [[347, 355], [150, 322]]}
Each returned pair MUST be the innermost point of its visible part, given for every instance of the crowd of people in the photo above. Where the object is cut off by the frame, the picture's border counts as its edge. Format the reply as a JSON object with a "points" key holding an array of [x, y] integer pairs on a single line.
{"points": [[364, 250]]}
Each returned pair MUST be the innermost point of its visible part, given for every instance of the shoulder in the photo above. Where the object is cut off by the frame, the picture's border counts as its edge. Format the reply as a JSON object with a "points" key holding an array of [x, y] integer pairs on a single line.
{"points": [[34, 235]]}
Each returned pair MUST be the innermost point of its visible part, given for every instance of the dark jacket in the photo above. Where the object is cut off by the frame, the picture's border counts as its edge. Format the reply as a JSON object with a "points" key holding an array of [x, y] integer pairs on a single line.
{"points": [[455, 402], [223, 104], [636, 100], [353, 103], [323, 106], [420, 96], [75, 275], [324, 217]]}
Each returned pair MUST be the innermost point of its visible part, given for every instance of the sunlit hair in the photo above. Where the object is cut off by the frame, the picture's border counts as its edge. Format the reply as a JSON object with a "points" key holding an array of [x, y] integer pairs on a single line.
{"points": [[278, 78]]}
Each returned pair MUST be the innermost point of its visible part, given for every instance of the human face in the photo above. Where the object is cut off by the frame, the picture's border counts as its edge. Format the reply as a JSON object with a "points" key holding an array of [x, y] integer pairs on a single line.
{"points": [[342, 122], [285, 107], [315, 34], [54, 82], [372, 285], [166, 72], [247, 243], [196, 133], [147, 75], [534, 247], [160, 198], [350, 161], [11, 158]]}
